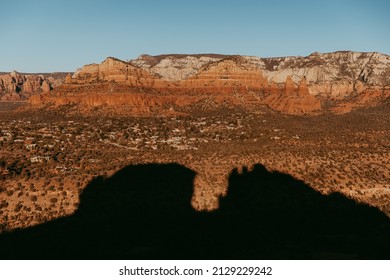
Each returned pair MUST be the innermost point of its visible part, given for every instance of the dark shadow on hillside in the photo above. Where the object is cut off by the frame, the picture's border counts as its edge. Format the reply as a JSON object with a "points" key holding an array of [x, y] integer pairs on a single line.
{"points": [[144, 212]]}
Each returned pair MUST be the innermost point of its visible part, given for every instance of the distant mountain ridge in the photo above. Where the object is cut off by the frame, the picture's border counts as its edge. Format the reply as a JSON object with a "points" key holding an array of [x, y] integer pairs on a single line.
{"points": [[15, 86], [338, 81], [56, 75], [372, 67]]}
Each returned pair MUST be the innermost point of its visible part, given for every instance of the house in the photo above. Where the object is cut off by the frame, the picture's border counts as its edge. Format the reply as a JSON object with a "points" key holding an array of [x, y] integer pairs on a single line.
{"points": [[39, 159], [31, 147]]}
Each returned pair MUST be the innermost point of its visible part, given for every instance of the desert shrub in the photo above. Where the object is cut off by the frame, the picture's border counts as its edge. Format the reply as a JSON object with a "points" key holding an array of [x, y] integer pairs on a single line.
{"points": [[18, 207]]}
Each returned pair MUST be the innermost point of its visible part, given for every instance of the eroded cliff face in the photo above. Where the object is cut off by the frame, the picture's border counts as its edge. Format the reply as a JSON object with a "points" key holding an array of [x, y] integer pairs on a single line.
{"points": [[15, 86], [371, 67], [175, 67], [293, 85], [294, 99], [229, 75], [114, 70], [334, 75]]}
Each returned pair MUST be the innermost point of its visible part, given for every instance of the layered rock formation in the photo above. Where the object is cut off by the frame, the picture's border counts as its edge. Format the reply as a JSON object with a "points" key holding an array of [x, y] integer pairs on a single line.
{"points": [[229, 75], [175, 67], [292, 85], [332, 74], [15, 86], [114, 70], [294, 99]]}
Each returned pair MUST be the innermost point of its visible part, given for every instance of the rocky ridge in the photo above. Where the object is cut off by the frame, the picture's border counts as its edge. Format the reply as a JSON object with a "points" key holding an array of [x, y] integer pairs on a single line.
{"points": [[175, 67], [331, 74], [16, 86], [338, 82]]}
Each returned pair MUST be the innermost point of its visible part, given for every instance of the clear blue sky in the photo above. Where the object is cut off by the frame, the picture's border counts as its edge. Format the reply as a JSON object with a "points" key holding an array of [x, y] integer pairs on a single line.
{"points": [[47, 36]]}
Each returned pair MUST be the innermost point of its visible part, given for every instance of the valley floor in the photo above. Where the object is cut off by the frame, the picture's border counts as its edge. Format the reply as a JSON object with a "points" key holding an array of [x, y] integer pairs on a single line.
{"points": [[47, 158]]}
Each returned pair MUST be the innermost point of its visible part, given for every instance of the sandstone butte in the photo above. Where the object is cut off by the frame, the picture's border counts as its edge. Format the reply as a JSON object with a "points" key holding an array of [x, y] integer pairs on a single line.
{"points": [[15, 86], [333, 82]]}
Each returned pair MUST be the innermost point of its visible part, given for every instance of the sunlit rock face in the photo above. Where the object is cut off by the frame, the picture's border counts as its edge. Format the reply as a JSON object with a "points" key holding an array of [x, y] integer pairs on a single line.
{"points": [[15, 86], [292, 85]]}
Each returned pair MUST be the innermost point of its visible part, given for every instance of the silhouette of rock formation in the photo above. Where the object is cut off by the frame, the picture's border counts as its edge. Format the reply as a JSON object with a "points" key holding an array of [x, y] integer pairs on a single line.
{"points": [[144, 212]]}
